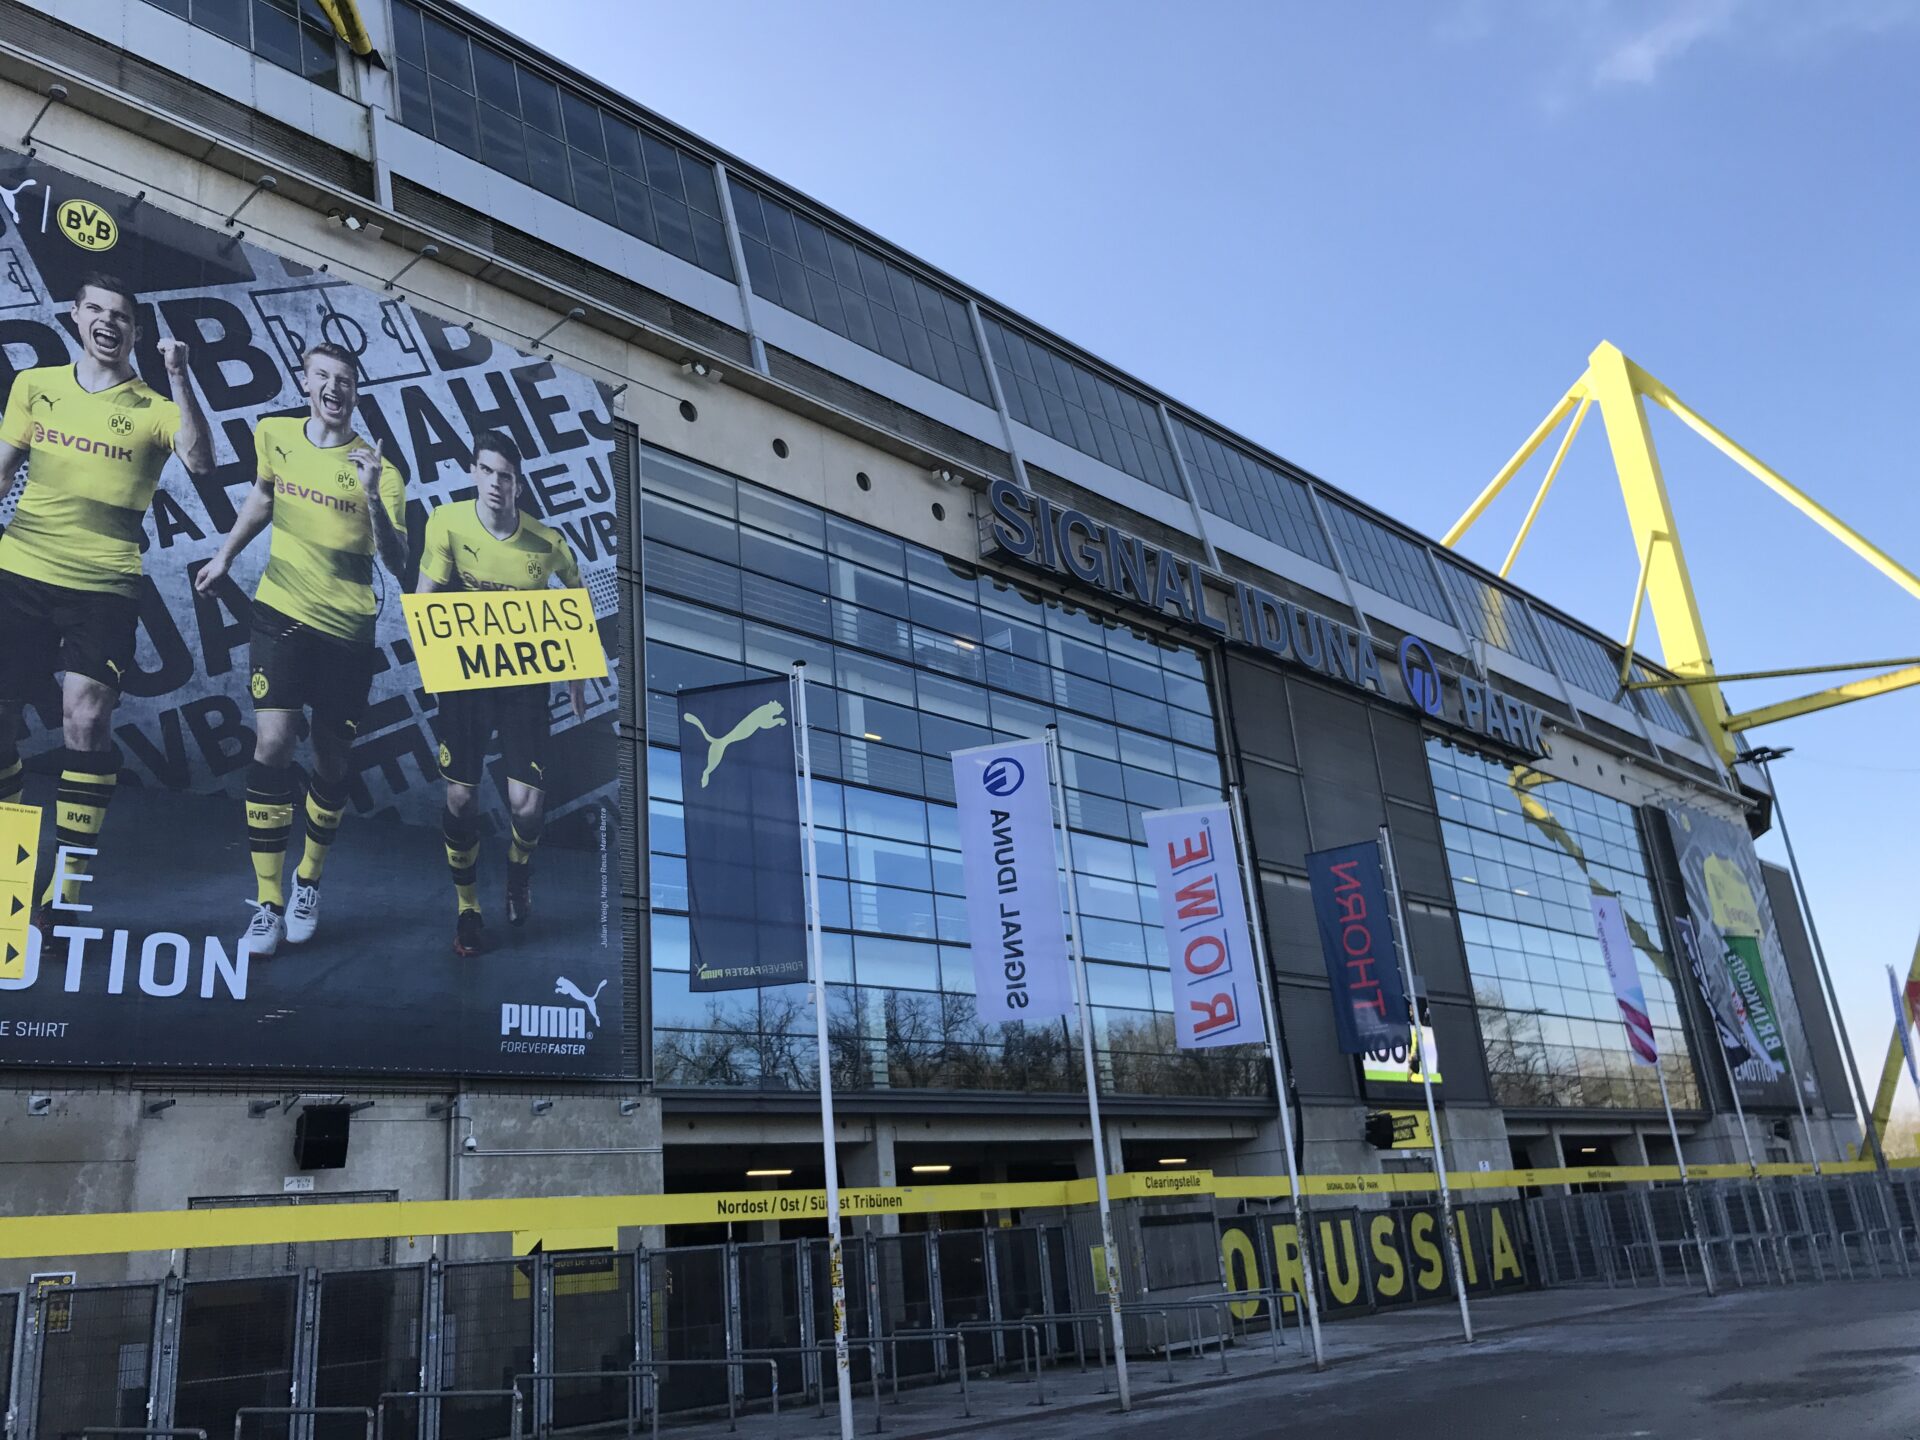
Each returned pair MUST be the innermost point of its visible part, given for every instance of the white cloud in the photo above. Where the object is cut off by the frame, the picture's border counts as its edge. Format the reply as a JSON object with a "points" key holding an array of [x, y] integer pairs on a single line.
{"points": [[1638, 57]]}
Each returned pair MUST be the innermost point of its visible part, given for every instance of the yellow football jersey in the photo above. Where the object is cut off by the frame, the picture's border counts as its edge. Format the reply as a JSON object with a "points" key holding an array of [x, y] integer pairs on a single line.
{"points": [[93, 461], [320, 564], [462, 554]]}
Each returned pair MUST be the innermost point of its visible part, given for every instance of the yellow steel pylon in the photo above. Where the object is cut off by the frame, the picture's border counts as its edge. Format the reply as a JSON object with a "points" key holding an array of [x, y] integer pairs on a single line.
{"points": [[1618, 387]]}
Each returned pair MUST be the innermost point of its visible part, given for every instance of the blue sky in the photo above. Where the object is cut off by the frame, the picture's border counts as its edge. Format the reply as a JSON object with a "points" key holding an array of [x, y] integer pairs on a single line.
{"points": [[1382, 238]]}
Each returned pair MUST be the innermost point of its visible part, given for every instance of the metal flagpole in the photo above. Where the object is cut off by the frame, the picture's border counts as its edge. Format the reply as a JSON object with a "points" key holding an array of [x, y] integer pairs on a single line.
{"points": [[1686, 1188], [836, 1260], [1276, 1049], [1767, 1209], [1426, 1081], [1826, 975], [1058, 781]]}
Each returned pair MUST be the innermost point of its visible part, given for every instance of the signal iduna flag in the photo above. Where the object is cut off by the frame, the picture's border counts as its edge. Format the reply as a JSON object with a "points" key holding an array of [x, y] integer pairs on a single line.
{"points": [[1196, 865], [1019, 939], [1356, 941], [1610, 922]]}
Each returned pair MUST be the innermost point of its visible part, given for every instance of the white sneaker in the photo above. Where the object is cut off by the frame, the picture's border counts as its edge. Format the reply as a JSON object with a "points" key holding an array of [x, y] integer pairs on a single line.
{"points": [[264, 935], [304, 913]]}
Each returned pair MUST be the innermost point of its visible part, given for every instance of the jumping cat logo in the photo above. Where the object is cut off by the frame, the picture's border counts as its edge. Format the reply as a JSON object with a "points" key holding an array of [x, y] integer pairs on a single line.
{"points": [[554, 1022], [762, 717]]}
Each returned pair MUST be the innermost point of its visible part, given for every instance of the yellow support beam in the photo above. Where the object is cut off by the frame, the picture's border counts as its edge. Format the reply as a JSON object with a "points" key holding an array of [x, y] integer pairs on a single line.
{"points": [[1540, 496], [1824, 699], [1512, 467], [1794, 496], [1611, 378]]}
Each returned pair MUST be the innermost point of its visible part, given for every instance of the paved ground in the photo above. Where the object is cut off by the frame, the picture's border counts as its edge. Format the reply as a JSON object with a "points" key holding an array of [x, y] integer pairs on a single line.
{"points": [[1808, 1363]]}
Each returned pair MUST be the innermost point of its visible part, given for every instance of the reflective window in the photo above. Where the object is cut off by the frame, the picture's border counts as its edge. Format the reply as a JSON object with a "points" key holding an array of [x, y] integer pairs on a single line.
{"points": [[1669, 709], [901, 673], [1385, 560], [1064, 399], [1526, 852], [835, 281], [475, 99], [1579, 658], [293, 34], [1496, 616], [1251, 493]]}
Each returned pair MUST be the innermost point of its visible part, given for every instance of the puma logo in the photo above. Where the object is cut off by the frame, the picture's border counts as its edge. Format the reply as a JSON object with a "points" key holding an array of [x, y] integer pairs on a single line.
{"points": [[41, 399], [6, 198], [763, 717], [566, 987]]}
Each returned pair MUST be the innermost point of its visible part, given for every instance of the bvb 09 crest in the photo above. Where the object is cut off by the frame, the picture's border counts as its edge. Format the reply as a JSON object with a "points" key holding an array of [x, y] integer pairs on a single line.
{"points": [[87, 225]]}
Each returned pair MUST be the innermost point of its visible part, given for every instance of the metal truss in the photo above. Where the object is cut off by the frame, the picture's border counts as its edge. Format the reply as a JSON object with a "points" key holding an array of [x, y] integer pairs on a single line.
{"points": [[1618, 387]]}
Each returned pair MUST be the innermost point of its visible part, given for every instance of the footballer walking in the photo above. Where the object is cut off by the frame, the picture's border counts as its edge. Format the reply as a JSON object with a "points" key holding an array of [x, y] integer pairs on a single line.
{"points": [[487, 543], [333, 502], [96, 438]]}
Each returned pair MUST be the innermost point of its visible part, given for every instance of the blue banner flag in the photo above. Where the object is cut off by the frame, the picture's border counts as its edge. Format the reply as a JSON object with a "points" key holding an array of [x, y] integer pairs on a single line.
{"points": [[746, 894], [1356, 941]]}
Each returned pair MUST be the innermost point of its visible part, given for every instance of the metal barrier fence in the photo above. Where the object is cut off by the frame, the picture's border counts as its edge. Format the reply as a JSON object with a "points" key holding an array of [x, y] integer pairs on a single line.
{"points": [[473, 1350]]}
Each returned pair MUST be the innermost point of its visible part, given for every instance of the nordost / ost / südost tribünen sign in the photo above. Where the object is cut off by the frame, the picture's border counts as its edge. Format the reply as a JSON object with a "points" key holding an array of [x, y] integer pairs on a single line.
{"points": [[1028, 527]]}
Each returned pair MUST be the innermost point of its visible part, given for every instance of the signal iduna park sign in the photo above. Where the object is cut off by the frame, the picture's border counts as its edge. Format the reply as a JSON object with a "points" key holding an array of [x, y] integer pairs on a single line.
{"points": [[1032, 529]]}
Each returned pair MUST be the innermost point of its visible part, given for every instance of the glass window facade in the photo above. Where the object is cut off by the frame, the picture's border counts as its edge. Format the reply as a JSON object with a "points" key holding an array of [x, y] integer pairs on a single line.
{"points": [[911, 656], [473, 98], [1669, 709], [1526, 852], [1496, 616], [1385, 560], [1251, 493], [293, 34], [851, 289], [1064, 399], [1579, 658]]}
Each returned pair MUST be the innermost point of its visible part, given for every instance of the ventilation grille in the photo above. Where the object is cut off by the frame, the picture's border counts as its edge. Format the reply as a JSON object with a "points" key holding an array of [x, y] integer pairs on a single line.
{"points": [[54, 44], [617, 293], [843, 394]]}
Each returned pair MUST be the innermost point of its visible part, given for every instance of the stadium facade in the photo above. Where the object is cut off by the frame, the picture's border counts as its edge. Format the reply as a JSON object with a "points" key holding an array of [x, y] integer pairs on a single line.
{"points": [[817, 447]]}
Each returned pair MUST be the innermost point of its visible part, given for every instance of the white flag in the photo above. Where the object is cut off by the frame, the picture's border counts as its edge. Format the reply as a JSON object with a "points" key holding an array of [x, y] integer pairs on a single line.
{"points": [[1216, 996], [1610, 922], [1013, 881]]}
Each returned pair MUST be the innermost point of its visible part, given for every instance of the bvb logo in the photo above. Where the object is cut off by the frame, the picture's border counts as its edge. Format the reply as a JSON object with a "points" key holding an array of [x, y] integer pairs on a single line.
{"points": [[259, 686], [446, 756], [120, 423], [87, 225], [349, 479]]}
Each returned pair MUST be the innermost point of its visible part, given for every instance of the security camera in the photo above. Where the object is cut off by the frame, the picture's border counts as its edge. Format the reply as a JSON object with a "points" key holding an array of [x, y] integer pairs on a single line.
{"points": [[471, 1145]]}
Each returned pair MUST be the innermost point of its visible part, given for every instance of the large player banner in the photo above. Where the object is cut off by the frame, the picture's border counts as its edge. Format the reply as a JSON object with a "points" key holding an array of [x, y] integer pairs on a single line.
{"points": [[283, 847], [1014, 922], [1196, 868], [1736, 957]]}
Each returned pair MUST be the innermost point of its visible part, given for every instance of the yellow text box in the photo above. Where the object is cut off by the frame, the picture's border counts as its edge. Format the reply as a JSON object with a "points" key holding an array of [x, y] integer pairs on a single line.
{"points": [[490, 639]]}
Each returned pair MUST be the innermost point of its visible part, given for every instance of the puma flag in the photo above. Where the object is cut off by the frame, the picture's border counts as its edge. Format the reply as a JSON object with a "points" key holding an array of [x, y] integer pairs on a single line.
{"points": [[746, 893]]}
